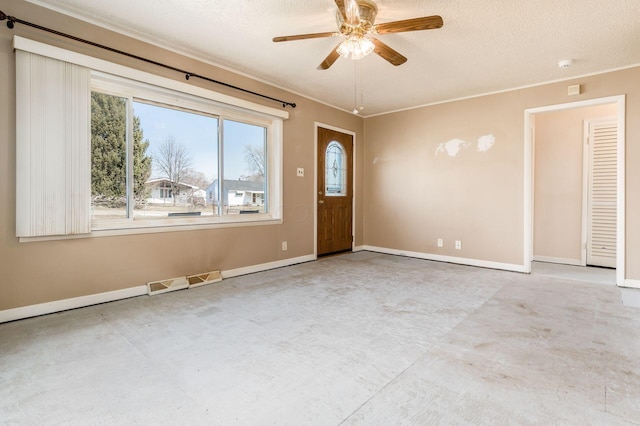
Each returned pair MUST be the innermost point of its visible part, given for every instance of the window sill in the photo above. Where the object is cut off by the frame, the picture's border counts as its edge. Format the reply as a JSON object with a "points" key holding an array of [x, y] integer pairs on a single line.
{"points": [[161, 226]]}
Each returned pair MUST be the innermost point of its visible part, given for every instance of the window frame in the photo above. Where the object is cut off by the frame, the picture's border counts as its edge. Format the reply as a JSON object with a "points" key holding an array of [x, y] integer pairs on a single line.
{"points": [[118, 80]]}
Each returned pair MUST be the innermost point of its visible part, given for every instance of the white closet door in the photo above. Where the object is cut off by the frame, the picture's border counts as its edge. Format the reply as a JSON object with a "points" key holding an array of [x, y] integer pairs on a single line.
{"points": [[602, 193]]}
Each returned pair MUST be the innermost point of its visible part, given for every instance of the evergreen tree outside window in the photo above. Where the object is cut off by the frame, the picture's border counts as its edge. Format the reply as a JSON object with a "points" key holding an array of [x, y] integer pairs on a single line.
{"points": [[109, 157]]}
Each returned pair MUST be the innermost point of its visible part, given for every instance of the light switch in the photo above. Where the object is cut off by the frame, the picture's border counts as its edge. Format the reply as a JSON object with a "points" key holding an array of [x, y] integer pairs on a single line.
{"points": [[300, 172]]}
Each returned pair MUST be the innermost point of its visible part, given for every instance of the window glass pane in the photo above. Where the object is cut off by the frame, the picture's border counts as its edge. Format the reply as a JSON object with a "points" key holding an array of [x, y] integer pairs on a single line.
{"points": [[177, 158], [244, 182], [181, 148], [335, 176], [108, 157]]}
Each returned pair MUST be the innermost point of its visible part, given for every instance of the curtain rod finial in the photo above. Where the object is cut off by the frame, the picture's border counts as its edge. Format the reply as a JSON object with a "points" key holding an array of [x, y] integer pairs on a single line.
{"points": [[10, 19]]}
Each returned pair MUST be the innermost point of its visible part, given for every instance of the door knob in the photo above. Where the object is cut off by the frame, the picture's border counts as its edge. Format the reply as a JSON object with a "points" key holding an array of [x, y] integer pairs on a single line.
{"points": [[320, 201]]}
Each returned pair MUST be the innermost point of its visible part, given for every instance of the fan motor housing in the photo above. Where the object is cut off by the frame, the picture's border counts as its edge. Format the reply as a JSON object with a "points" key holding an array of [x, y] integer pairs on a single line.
{"points": [[367, 10]]}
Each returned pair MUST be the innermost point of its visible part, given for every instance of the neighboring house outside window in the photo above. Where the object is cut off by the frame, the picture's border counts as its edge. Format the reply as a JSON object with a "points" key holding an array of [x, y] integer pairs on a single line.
{"points": [[239, 195], [161, 193]]}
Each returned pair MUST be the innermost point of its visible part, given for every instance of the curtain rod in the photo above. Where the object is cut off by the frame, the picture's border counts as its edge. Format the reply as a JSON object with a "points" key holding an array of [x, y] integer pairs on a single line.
{"points": [[12, 20]]}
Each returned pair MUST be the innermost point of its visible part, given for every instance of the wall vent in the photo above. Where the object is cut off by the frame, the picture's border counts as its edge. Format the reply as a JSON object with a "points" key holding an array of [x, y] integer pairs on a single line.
{"points": [[164, 286], [203, 279]]}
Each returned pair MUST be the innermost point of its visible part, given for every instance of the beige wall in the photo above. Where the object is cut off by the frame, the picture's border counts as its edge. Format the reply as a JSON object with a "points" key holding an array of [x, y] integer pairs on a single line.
{"points": [[406, 195], [558, 182], [38, 272], [414, 196]]}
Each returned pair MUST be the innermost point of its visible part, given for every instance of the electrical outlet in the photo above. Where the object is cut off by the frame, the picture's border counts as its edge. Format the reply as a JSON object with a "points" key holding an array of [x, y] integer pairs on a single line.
{"points": [[300, 172], [458, 245], [440, 242], [284, 246]]}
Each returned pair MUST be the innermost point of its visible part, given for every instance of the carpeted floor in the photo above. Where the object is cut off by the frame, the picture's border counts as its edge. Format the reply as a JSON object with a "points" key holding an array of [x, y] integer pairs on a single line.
{"points": [[357, 339]]}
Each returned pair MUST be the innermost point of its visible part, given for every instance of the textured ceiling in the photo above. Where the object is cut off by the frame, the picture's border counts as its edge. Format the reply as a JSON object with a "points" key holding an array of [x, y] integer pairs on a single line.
{"points": [[484, 45]]}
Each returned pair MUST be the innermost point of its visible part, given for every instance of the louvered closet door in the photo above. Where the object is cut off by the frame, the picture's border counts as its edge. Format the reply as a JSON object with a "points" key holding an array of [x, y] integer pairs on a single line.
{"points": [[601, 239]]}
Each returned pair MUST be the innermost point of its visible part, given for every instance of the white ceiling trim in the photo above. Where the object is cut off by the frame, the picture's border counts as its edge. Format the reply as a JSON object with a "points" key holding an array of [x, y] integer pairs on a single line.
{"points": [[485, 47]]}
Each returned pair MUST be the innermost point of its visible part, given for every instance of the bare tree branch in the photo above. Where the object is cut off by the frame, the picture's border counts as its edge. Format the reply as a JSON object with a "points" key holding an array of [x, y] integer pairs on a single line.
{"points": [[173, 162], [254, 156], [197, 178]]}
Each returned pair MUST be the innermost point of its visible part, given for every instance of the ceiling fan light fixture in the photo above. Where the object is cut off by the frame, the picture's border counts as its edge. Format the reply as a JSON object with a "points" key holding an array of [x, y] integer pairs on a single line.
{"points": [[355, 47], [356, 22]]}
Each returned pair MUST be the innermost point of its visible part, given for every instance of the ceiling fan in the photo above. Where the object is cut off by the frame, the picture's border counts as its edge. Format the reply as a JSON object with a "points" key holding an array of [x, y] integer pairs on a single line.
{"points": [[356, 22]]}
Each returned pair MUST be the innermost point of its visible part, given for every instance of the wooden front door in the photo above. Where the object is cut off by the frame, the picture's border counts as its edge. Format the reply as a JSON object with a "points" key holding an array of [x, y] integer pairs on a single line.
{"points": [[335, 191]]}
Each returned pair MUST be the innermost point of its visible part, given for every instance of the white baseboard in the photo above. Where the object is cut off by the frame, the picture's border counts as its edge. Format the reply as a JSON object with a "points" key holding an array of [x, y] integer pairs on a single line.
{"points": [[561, 260], [358, 248], [631, 283], [110, 296], [66, 304], [449, 259], [266, 266]]}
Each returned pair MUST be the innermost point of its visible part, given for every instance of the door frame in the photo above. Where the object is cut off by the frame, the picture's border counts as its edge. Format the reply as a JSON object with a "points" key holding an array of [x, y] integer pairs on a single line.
{"points": [[317, 125], [619, 101]]}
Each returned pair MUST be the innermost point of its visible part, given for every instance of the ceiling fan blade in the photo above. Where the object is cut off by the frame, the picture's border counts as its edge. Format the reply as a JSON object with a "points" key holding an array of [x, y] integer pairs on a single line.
{"points": [[388, 53], [415, 24], [305, 36], [340, 4], [329, 60]]}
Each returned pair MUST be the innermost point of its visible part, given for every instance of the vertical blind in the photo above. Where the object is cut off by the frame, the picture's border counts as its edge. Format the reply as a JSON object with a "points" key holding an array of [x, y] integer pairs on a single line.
{"points": [[53, 162]]}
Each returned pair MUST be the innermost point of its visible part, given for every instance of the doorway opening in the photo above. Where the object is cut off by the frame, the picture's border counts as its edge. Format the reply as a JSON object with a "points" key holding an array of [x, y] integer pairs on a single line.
{"points": [[574, 184]]}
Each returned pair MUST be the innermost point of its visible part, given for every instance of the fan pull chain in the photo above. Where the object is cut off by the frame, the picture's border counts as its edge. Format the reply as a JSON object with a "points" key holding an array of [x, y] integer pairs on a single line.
{"points": [[355, 87], [357, 83], [361, 85]]}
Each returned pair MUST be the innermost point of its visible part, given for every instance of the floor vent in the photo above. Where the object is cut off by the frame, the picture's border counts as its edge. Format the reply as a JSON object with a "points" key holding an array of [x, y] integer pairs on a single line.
{"points": [[164, 286], [203, 279]]}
